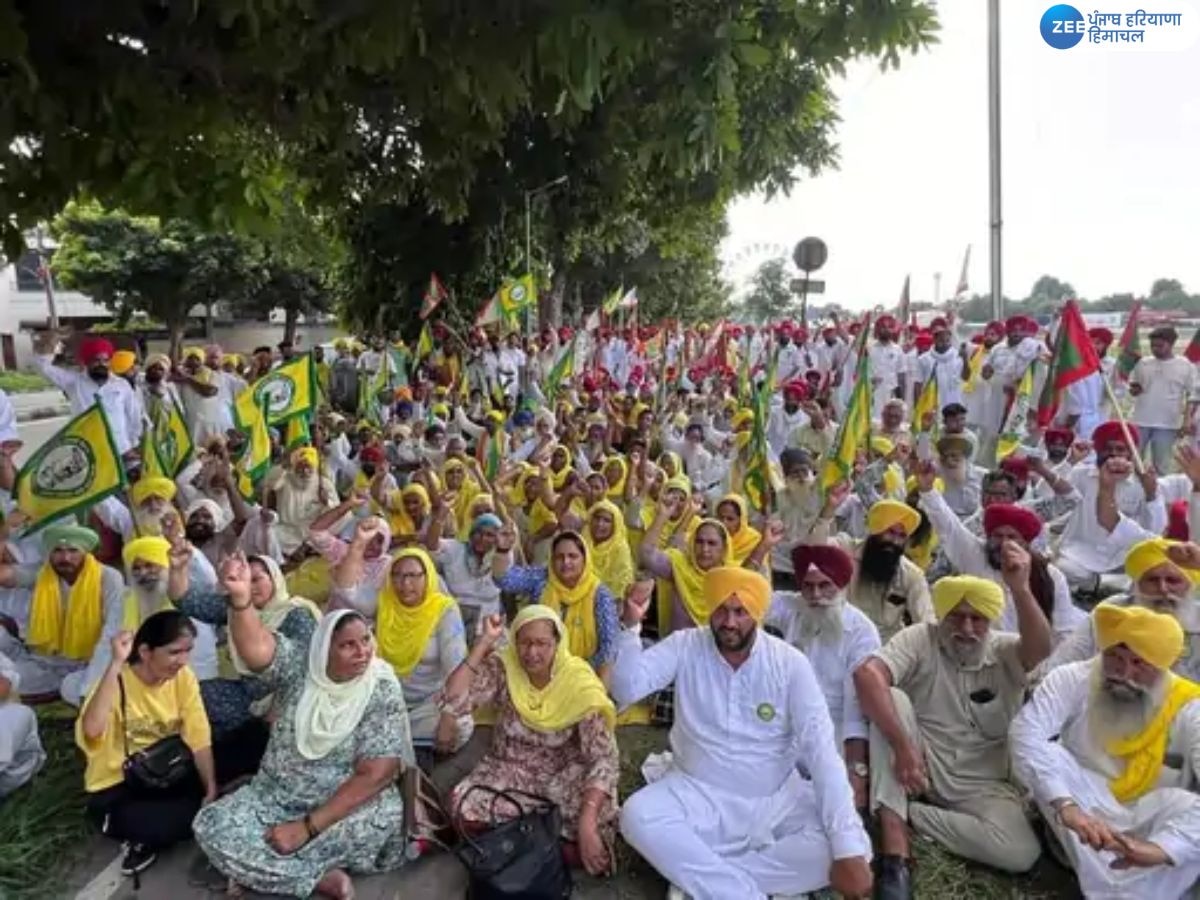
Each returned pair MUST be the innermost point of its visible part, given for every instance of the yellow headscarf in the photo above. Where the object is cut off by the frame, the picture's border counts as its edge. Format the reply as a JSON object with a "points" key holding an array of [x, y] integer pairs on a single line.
{"points": [[74, 635], [559, 479], [574, 691], [983, 596], [576, 605], [611, 559], [404, 631], [273, 612], [474, 512], [688, 579], [540, 515], [616, 490], [145, 488], [745, 539], [401, 522]]}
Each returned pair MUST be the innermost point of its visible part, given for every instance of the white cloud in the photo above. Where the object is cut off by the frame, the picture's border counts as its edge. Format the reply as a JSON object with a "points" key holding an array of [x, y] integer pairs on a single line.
{"points": [[1101, 181]]}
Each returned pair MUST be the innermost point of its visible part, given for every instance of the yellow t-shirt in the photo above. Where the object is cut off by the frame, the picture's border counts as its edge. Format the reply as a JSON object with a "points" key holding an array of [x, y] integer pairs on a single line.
{"points": [[173, 707]]}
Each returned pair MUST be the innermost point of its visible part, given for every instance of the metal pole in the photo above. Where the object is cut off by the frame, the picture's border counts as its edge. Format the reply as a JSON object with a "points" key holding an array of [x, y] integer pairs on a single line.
{"points": [[528, 246], [997, 220]]}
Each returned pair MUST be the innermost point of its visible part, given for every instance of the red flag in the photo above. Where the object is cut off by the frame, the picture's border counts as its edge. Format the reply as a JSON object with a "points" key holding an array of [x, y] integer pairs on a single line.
{"points": [[1074, 359], [1193, 349], [1129, 350], [434, 296]]}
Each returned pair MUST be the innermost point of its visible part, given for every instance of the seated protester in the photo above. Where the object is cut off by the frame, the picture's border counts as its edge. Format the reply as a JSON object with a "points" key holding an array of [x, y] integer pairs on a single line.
{"points": [[970, 555], [299, 497], [732, 512], [74, 601], [464, 484], [21, 753], [733, 817], [325, 803], [232, 698], [1165, 576], [608, 547], [797, 507], [420, 635], [358, 567], [887, 586], [940, 698], [148, 693], [963, 480], [534, 503], [835, 637], [954, 423], [571, 588], [216, 482], [1060, 498], [1109, 747], [1117, 508], [407, 511], [554, 735], [467, 567]]}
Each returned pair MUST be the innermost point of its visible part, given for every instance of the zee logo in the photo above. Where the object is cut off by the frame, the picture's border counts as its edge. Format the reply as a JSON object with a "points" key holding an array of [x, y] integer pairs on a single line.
{"points": [[1062, 26]]}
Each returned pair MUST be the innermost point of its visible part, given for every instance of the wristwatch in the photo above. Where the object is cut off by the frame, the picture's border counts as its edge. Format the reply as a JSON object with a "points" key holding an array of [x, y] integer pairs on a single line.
{"points": [[860, 769]]}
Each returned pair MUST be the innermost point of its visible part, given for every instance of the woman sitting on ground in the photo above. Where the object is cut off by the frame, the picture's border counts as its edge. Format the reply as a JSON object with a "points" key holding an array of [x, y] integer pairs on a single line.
{"points": [[325, 802], [233, 700], [421, 637], [358, 566], [146, 694], [570, 587], [554, 735]]}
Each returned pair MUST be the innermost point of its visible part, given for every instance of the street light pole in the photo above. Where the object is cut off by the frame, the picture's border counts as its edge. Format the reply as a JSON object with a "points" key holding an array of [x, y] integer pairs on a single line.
{"points": [[529, 195], [996, 218]]}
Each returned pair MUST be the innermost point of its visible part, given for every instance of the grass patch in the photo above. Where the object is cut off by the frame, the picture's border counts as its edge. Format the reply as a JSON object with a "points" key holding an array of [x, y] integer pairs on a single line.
{"points": [[43, 829], [24, 382]]}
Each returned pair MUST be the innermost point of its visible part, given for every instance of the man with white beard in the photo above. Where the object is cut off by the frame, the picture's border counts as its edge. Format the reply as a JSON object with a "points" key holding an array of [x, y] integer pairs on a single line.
{"points": [[1165, 575], [1109, 748], [299, 497], [940, 698], [836, 637]]}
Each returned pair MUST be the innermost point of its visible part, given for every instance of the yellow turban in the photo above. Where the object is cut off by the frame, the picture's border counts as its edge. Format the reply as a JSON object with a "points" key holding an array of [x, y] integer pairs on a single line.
{"points": [[1155, 637], [145, 488], [189, 352], [911, 485], [441, 410], [743, 417], [749, 586], [305, 454], [882, 445], [154, 550], [886, 513], [122, 361], [496, 416], [1151, 553], [983, 596]]}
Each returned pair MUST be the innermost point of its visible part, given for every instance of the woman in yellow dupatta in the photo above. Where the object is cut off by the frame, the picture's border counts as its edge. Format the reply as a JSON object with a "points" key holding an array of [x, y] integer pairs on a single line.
{"points": [[554, 731], [408, 511], [616, 471], [732, 512], [420, 634], [707, 548], [537, 520], [461, 482], [608, 547]]}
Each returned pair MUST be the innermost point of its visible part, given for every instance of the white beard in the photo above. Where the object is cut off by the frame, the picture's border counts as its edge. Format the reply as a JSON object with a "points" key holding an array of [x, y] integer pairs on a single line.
{"points": [[1110, 718], [1184, 609], [965, 656], [148, 524], [150, 599], [821, 624]]}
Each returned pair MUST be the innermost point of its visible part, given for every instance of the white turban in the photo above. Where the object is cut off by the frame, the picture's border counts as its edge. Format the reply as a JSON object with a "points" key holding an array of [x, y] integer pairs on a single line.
{"points": [[214, 509]]}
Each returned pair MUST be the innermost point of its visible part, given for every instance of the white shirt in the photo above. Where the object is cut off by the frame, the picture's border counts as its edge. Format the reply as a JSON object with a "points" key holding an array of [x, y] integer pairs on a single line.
{"points": [[8, 420], [116, 396], [780, 426], [834, 663], [1085, 399], [1089, 546], [887, 362], [1168, 385], [948, 367], [468, 580], [745, 729]]}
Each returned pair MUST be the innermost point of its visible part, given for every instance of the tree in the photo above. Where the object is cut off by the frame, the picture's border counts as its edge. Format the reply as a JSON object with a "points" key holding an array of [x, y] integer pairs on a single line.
{"points": [[770, 297], [1166, 286], [1050, 289], [132, 264]]}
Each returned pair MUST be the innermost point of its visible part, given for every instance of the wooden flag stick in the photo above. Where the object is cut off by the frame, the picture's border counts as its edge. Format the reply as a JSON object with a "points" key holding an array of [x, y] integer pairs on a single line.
{"points": [[1133, 446]]}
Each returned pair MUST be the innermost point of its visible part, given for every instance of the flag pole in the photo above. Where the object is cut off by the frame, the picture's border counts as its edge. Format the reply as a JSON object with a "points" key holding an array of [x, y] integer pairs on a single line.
{"points": [[1112, 398]]}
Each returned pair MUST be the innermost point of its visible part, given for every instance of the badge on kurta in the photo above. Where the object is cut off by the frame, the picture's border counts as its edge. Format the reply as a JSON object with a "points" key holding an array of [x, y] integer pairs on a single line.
{"points": [[766, 712]]}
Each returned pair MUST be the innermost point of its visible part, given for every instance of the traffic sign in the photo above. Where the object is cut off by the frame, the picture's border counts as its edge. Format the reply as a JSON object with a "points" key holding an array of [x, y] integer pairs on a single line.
{"points": [[810, 254], [807, 286]]}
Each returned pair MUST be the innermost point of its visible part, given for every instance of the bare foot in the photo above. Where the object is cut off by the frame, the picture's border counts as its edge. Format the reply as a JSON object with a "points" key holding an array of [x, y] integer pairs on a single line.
{"points": [[336, 884]]}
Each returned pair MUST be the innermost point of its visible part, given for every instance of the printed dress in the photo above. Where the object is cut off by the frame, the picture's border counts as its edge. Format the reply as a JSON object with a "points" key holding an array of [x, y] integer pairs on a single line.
{"points": [[558, 766], [232, 831]]}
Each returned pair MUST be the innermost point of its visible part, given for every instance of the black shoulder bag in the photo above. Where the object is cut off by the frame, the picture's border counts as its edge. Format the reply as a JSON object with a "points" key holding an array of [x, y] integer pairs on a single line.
{"points": [[521, 857], [162, 765]]}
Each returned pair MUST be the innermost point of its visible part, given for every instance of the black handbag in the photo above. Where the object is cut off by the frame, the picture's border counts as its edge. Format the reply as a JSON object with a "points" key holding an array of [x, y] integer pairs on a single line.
{"points": [[162, 765], [521, 857]]}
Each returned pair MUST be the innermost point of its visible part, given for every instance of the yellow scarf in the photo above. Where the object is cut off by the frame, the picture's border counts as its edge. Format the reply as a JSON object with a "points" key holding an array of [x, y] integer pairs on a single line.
{"points": [[481, 503], [743, 541], [401, 522], [574, 691], [616, 490], [404, 631], [575, 605], [74, 636], [559, 479], [688, 578], [974, 367], [611, 559], [1143, 753], [466, 494]]}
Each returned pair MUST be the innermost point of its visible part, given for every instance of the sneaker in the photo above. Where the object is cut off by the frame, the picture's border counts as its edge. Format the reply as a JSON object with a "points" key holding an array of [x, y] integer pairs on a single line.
{"points": [[138, 858]]}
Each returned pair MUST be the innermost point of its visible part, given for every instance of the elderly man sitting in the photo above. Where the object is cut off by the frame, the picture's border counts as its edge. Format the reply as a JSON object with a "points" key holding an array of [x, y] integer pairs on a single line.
{"points": [[940, 699], [1165, 575], [299, 496], [21, 753], [836, 637], [1110, 748], [887, 586], [733, 817], [74, 600]]}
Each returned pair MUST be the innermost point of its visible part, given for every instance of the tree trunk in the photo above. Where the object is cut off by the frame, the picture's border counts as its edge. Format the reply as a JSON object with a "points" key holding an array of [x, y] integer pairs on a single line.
{"points": [[175, 336], [290, 315], [550, 306], [208, 322]]}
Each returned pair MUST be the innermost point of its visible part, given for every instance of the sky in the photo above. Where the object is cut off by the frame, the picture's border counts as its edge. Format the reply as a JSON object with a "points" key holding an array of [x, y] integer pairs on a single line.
{"points": [[1100, 156]]}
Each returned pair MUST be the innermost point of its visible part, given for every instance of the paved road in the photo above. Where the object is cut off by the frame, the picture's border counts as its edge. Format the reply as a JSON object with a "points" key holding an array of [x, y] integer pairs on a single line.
{"points": [[34, 434]]}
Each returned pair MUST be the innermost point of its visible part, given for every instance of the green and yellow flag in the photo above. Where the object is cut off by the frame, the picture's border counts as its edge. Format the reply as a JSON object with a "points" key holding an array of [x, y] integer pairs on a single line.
{"points": [[286, 392], [927, 402], [1016, 418], [296, 433], [152, 464], [424, 342], [172, 439], [77, 468], [563, 368], [516, 294], [854, 434], [255, 459]]}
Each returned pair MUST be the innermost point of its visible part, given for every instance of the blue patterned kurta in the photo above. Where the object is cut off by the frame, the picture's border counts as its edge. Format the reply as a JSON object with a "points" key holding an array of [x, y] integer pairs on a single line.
{"points": [[232, 831], [532, 580]]}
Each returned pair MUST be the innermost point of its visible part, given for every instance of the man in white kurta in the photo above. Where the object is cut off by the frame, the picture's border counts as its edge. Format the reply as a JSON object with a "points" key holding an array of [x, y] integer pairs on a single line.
{"points": [[1127, 818], [887, 365], [940, 699], [756, 801], [21, 753]]}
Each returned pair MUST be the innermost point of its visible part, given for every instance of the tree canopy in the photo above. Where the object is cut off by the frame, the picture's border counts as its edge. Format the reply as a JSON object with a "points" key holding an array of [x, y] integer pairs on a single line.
{"points": [[770, 295]]}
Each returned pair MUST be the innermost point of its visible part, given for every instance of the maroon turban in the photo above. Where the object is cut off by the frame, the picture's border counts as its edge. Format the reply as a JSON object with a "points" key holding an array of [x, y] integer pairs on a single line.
{"points": [[1112, 431], [1026, 522], [1103, 335], [91, 347], [1059, 436], [833, 562], [1017, 466]]}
